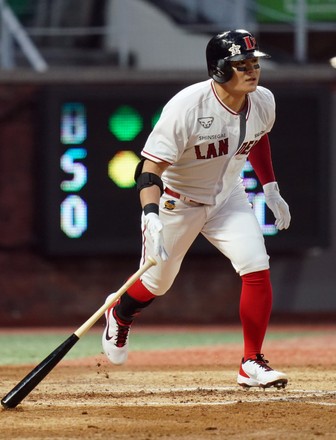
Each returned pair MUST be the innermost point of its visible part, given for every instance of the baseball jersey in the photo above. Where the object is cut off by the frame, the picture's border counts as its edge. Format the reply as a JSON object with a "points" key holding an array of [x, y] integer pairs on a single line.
{"points": [[205, 142]]}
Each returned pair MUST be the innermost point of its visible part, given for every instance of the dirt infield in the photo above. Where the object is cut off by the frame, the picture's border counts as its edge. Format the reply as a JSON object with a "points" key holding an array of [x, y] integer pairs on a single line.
{"points": [[181, 394]]}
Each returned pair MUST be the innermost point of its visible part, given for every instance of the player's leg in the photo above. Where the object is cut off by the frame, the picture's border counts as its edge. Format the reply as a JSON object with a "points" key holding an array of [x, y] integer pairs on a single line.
{"points": [[255, 311], [182, 224], [119, 318], [234, 230]]}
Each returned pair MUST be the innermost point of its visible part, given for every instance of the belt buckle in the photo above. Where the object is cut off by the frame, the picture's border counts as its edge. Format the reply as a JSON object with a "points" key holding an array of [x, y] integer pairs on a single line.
{"points": [[187, 200]]}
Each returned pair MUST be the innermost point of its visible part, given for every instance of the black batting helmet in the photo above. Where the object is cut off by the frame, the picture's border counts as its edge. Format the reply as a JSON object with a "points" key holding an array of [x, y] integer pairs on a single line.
{"points": [[230, 46]]}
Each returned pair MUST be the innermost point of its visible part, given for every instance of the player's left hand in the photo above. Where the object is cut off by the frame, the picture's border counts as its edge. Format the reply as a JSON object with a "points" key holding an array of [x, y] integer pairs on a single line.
{"points": [[155, 228], [277, 205]]}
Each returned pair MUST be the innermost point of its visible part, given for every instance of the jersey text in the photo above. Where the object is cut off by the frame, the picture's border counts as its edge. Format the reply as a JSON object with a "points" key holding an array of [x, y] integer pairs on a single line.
{"points": [[220, 148]]}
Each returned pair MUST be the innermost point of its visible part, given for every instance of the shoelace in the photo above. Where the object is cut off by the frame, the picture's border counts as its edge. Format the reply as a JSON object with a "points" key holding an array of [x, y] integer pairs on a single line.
{"points": [[122, 335], [123, 330], [262, 362]]}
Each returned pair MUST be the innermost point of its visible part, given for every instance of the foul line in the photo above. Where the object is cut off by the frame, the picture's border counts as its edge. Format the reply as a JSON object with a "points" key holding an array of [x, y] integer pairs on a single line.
{"points": [[256, 395], [235, 388], [260, 396]]}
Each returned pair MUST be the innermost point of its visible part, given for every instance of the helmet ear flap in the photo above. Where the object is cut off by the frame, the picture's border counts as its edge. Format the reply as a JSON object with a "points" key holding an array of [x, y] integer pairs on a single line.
{"points": [[223, 72]]}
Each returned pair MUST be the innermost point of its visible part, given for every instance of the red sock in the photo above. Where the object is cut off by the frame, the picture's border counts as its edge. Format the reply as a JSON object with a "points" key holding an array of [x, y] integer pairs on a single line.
{"points": [[255, 310], [139, 292]]}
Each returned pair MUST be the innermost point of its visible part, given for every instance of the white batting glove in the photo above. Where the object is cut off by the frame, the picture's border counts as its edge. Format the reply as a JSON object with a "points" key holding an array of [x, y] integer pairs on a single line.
{"points": [[277, 205], [155, 227]]}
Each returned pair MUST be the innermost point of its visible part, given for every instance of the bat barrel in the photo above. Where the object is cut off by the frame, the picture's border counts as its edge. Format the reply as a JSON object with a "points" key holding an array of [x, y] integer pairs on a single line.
{"points": [[28, 383]]}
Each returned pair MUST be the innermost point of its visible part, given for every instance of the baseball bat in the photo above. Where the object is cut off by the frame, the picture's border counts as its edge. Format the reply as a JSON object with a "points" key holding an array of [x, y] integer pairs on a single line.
{"points": [[29, 382]]}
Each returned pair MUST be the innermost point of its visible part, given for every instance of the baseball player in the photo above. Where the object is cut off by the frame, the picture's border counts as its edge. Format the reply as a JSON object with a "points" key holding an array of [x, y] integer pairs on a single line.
{"points": [[189, 182]]}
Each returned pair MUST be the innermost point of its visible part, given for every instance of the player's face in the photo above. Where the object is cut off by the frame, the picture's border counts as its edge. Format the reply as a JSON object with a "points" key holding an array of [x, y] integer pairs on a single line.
{"points": [[245, 77]]}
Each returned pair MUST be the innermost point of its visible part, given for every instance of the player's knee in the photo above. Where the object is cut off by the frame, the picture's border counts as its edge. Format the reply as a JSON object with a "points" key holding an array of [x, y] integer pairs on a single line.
{"points": [[156, 287], [254, 265]]}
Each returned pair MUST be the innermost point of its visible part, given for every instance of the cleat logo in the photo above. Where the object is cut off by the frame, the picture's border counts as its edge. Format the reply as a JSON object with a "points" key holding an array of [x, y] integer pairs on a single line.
{"points": [[107, 336], [206, 122]]}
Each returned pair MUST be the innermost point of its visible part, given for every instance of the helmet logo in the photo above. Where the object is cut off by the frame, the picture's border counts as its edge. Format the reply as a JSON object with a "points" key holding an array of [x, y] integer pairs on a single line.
{"points": [[235, 49], [250, 42]]}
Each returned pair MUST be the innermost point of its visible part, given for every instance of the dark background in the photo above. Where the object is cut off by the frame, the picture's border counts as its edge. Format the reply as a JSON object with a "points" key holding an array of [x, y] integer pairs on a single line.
{"points": [[301, 157]]}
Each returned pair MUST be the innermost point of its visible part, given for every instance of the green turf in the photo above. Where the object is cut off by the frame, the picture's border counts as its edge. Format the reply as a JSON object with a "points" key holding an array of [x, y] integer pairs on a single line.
{"points": [[34, 347], [30, 348]]}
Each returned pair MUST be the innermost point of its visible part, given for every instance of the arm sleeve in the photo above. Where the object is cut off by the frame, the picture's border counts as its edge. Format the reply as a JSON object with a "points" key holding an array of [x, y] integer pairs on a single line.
{"points": [[261, 160]]}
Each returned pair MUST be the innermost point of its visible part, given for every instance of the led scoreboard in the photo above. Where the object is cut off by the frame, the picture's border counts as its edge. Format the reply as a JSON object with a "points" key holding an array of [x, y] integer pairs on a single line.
{"points": [[91, 144]]}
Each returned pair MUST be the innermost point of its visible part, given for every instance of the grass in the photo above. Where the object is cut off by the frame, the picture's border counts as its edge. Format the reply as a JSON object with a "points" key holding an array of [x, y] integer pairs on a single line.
{"points": [[31, 348]]}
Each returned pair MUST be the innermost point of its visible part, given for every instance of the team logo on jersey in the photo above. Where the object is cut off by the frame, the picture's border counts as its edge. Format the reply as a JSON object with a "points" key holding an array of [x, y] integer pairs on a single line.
{"points": [[206, 122], [170, 204], [235, 49]]}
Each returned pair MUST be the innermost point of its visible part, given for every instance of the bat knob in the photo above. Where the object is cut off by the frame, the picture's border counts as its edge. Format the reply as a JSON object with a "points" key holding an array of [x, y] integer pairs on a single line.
{"points": [[152, 260]]}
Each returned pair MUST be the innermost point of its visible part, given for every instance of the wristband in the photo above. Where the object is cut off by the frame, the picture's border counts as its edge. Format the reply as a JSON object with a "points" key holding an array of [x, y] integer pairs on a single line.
{"points": [[270, 187], [151, 207]]}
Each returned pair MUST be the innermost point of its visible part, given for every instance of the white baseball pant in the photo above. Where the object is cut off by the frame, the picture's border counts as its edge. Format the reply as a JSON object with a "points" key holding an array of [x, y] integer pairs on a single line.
{"points": [[230, 225]]}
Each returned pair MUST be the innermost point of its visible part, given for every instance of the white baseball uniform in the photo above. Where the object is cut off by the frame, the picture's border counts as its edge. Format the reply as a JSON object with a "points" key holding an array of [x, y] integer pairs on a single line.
{"points": [[207, 144]]}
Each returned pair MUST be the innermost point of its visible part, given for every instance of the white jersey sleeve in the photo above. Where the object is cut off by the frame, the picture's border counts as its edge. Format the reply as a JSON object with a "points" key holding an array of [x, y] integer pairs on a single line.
{"points": [[264, 106], [167, 141], [173, 132]]}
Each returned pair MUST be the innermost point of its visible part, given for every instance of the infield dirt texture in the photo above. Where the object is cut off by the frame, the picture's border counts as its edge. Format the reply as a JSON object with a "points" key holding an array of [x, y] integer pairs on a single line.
{"points": [[185, 393]]}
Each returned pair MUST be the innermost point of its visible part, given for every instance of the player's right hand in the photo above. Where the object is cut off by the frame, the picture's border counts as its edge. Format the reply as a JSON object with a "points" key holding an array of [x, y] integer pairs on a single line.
{"points": [[155, 229], [277, 205]]}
